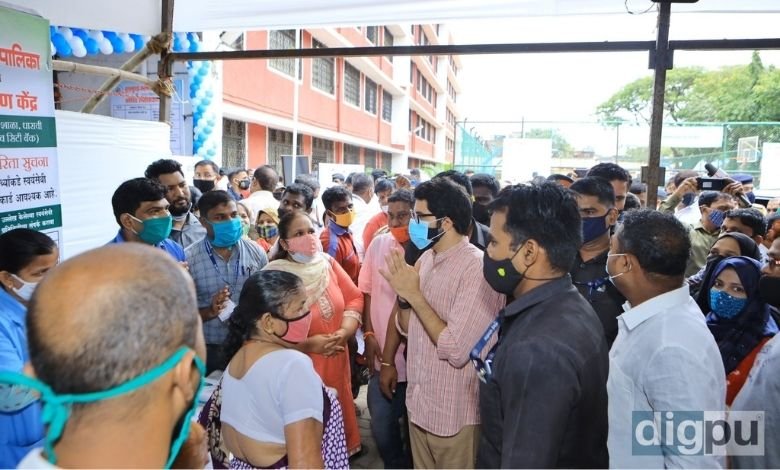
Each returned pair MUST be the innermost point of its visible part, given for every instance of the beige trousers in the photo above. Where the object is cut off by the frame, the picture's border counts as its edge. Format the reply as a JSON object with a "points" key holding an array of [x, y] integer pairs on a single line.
{"points": [[432, 451]]}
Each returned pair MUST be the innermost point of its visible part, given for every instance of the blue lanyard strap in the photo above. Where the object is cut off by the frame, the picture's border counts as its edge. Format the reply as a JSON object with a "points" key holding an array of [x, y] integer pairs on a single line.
{"points": [[210, 252], [491, 330], [594, 285]]}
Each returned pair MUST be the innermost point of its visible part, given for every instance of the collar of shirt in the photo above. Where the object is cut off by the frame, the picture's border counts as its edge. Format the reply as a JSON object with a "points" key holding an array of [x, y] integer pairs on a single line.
{"points": [[598, 259], [453, 251], [477, 236], [337, 230], [700, 228], [12, 308], [537, 295], [635, 316]]}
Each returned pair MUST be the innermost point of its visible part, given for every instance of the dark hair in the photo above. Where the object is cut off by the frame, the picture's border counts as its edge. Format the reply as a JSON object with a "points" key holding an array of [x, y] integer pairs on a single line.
{"points": [[210, 163], [610, 172], [446, 199], [402, 195], [378, 173], [266, 177], [383, 185], [637, 188], [632, 202], [595, 186], [129, 195], [301, 190], [707, 198], [337, 177], [547, 214], [559, 177], [135, 322], [162, 167], [361, 183], [284, 228], [211, 200], [771, 219], [750, 217], [682, 176], [414, 171], [233, 172], [458, 178], [19, 247], [659, 241], [309, 181], [335, 194], [348, 181], [263, 292], [483, 180]]}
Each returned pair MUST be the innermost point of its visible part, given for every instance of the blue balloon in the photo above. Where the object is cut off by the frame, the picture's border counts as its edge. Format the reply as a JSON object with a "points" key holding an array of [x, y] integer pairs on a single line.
{"points": [[209, 94], [109, 34], [193, 91], [211, 122], [176, 44], [202, 109], [211, 152], [80, 33], [203, 71], [118, 44], [92, 46], [206, 101], [197, 79], [63, 48], [138, 40], [208, 130], [52, 31]]}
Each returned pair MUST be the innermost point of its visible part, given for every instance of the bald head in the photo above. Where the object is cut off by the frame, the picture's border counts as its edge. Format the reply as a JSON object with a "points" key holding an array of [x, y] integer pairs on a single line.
{"points": [[108, 315]]}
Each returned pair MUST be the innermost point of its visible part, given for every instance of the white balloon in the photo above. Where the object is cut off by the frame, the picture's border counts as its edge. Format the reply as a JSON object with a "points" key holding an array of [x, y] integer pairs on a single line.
{"points": [[53, 49], [201, 93], [75, 42], [185, 44], [202, 152], [129, 44], [80, 50], [96, 34], [66, 32], [106, 47]]}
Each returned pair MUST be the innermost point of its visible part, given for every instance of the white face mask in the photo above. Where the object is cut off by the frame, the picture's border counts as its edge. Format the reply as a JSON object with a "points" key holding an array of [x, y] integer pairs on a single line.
{"points": [[26, 291]]}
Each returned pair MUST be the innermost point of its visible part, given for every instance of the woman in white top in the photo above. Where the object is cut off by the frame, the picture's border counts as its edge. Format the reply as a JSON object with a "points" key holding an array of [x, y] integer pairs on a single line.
{"points": [[275, 412]]}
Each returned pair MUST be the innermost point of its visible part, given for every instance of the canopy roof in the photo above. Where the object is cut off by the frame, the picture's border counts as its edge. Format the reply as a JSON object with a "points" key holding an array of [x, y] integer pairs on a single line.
{"points": [[144, 16]]}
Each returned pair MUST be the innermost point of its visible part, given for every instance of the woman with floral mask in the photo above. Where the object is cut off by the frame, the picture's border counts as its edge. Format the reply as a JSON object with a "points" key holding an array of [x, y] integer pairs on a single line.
{"points": [[336, 306], [738, 319], [271, 410], [25, 258], [267, 227]]}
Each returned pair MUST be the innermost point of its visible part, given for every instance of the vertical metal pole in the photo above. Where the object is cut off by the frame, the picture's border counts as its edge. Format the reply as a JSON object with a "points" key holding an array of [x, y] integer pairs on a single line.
{"points": [[660, 64], [617, 142], [296, 92], [165, 66]]}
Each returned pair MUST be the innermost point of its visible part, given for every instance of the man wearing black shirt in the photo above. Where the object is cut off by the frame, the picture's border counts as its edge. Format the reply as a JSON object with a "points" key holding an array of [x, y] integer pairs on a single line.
{"points": [[596, 200], [543, 402]]}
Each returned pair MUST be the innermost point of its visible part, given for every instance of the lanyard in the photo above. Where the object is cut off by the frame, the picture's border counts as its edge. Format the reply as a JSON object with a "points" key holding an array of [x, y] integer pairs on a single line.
{"points": [[491, 330], [594, 285], [210, 252]]}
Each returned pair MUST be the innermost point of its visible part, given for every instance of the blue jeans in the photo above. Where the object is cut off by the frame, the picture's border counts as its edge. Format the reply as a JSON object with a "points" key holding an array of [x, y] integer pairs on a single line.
{"points": [[389, 424]]}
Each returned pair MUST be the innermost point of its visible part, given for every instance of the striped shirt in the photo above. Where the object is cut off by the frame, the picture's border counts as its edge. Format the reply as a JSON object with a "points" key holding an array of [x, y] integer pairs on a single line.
{"points": [[442, 391]]}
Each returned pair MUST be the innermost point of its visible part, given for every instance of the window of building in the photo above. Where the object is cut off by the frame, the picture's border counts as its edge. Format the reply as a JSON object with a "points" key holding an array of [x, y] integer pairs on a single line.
{"points": [[387, 161], [351, 84], [351, 154], [323, 70], [370, 102], [450, 145], [369, 157], [389, 40], [451, 91], [284, 39], [280, 143], [321, 152], [233, 143], [387, 106], [372, 33]]}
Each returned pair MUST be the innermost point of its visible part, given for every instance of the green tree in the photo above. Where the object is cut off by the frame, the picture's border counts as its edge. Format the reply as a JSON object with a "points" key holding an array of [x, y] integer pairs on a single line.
{"points": [[561, 147]]}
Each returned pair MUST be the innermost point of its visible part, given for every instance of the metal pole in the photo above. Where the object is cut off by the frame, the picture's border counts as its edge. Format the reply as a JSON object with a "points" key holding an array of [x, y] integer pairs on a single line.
{"points": [[165, 66], [662, 61], [617, 142], [296, 92]]}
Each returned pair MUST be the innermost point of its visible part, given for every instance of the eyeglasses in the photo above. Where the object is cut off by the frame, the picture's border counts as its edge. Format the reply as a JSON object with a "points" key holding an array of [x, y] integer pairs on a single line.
{"points": [[417, 216]]}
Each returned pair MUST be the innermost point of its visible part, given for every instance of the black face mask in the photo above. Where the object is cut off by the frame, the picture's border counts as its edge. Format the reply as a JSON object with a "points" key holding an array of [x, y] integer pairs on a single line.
{"points": [[412, 253], [769, 290], [204, 185], [481, 213], [243, 185], [501, 275]]}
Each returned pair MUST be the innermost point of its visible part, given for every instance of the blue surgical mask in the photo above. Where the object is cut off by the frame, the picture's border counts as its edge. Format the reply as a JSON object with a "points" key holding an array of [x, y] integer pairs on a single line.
{"points": [[751, 197], [56, 407], [717, 217], [724, 305], [422, 235], [14, 398], [226, 233], [154, 230], [593, 227]]}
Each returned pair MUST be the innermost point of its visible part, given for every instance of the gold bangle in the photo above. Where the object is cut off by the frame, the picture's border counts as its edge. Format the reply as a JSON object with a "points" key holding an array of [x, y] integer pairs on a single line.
{"points": [[366, 334], [387, 364]]}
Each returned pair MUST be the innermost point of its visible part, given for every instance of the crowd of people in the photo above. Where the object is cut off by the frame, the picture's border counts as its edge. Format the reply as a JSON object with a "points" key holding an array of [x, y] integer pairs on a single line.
{"points": [[523, 326]]}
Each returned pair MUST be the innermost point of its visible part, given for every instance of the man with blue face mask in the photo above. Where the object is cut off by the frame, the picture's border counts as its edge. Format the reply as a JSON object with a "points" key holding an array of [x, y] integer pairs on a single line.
{"points": [[220, 264], [118, 371], [596, 202], [713, 206], [141, 210]]}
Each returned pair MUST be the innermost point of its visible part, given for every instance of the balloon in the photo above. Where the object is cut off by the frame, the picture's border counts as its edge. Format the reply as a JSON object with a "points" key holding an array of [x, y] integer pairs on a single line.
{"points": [[198, 79], [208, 130], [209, 94], [138, 40], [203, 71], [52, 30], [80, 51], [53, 49], [201, 93], [206, 101], [109, 34], [61, 44], [106, 47], [96, 34], [117, 44], [211, 152], [76, 44], [201, 108], [80, 33], [202, 152], [92, 46], [176, 44], [211, 121], [128, 44], [67, 33], [185, 45], [194, 45]]}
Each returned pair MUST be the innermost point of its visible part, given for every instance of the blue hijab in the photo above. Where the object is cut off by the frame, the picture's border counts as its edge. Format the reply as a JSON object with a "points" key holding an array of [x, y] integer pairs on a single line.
{"points": [[738, 336]]}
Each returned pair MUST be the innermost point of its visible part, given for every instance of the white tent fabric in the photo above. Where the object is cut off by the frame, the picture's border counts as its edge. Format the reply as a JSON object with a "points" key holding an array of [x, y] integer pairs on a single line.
{"points": [[96, 154], [143, 16]]}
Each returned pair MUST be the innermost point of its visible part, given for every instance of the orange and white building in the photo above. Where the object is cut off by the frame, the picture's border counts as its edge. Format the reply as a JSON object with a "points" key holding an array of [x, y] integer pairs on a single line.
{"points": [[383, 112]]}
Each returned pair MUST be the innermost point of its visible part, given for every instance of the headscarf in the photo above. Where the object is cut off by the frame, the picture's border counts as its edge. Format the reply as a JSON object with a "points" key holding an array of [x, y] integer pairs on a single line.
{"points": [[747, 247], [315, 275], [738, 336]]}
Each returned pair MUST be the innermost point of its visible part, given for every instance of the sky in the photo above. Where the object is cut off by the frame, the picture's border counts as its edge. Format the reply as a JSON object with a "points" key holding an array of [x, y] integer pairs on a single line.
{"points": [[569, 87]]}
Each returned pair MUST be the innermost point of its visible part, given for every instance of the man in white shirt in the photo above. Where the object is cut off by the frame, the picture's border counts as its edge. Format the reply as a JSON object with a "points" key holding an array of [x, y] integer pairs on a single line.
{"points": [[366, 206], [664, 358], [261, 189]]}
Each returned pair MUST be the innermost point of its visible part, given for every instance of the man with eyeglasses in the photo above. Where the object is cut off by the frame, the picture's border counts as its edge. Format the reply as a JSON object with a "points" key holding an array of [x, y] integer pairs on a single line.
{"points": [[446, 306], [543, 400], [186, 228], [388, 413]]}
